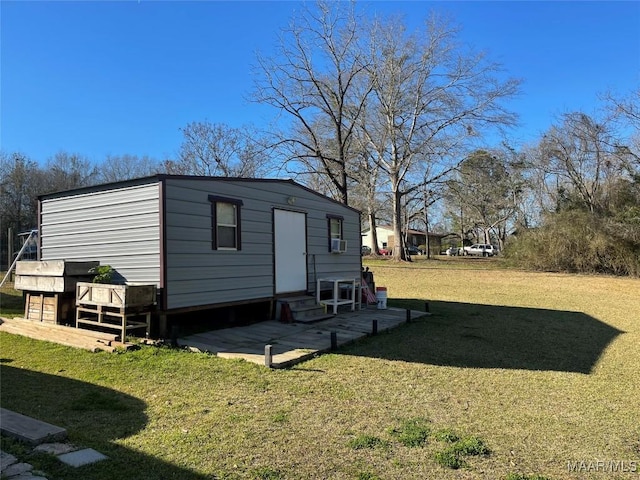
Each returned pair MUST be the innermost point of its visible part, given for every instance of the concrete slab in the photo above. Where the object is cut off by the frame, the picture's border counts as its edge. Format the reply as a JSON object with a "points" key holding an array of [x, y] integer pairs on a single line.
{"points": [[295, 342], [82, 457], [6, 460], [29, 430], [285, 345], [16, 469]]}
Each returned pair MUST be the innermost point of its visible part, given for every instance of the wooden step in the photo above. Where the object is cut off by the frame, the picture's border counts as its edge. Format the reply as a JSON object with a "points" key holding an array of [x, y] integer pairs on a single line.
{"points": [[299, 301], [69, 336], [305, 309], [66, 339], [30, 325], [310, 313]]}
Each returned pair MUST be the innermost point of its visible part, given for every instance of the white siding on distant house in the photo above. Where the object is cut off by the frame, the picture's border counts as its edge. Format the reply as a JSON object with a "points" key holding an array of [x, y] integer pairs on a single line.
{"points": [[382, 233], [118, 227]]}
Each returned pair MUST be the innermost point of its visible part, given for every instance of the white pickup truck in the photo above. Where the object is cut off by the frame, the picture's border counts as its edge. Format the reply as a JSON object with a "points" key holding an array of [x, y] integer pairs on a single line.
{"points": [[483, 249]]}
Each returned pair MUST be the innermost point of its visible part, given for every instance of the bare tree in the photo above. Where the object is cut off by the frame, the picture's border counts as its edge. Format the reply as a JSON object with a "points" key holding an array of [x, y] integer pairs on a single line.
{"points": [[215, 149], [626, 111], [66, 171], [317, 81], [116, 168], [627, 107], [18, 194], [578, 157], [19, 190], [427, 96]]}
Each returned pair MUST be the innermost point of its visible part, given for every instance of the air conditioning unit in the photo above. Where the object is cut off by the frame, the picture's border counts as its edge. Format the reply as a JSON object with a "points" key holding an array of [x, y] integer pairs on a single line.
{"points": [[338, 246]]}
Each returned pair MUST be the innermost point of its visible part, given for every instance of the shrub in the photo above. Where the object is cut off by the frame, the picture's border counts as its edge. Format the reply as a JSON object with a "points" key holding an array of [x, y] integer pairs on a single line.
{"points": [[448, 459], [412, 433], [451, 457], [470, 446], [577, 241], [103, 274], [446, 435]]}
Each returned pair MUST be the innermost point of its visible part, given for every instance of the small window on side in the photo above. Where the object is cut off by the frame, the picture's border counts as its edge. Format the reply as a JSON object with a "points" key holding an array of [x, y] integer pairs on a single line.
{"points": [[334, 227], [225, 223]]}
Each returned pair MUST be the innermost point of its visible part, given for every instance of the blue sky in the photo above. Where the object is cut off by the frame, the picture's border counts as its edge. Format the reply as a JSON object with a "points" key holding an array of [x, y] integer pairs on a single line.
{"points": [[99, 78]]}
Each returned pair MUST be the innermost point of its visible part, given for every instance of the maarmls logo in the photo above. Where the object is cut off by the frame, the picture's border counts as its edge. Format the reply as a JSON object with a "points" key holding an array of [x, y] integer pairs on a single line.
{"points": [[610, 466]]}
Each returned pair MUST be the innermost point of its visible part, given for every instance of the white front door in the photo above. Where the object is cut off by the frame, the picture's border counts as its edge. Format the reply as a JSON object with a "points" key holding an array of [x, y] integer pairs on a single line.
{"points": [[290, 241]]}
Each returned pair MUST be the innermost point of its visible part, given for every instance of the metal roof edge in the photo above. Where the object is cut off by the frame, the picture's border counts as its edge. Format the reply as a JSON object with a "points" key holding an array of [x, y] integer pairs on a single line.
{"points": [[161, 177]]}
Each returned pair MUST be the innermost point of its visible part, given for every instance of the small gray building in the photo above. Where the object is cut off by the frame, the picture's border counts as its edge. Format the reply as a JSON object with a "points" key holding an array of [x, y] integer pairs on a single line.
{"points": [[205, 241]]}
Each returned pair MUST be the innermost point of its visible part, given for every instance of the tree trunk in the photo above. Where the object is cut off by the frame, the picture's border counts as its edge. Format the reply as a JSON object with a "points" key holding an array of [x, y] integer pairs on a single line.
{"points": [[374, 233], [398, 251], [344, 196], [427, 244]]}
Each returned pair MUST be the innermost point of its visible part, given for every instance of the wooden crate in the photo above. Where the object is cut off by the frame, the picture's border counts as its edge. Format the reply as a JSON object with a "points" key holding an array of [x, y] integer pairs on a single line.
{"points": [[117, 296], [48, 307]]}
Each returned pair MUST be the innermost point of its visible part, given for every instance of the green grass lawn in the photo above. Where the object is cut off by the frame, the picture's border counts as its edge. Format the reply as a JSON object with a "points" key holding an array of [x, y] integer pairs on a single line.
{"points": [[11, 301], [514, 374]]}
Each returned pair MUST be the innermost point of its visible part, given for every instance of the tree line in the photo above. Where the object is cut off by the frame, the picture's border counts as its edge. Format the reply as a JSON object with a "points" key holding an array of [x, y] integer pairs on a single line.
{"points": [[568, 202], [207, 149], [396, 123]]}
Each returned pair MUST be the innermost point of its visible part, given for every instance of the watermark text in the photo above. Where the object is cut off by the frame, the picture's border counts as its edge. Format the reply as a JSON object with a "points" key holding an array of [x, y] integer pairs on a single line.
{"points": [[606, 466]]}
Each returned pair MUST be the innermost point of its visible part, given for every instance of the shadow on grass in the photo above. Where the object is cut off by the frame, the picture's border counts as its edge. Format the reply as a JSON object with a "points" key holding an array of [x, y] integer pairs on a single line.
{"points": [[487, 336], [93, 416]]}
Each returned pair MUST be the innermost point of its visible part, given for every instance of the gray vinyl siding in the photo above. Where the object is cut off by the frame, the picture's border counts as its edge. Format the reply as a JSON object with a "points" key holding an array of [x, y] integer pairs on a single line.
{"points": [[346, 264], [198, 275], [118, 227], [124, 225]]}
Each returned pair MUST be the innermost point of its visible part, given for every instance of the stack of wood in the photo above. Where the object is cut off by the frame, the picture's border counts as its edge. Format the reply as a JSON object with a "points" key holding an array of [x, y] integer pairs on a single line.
{"points": [[63, 335]]}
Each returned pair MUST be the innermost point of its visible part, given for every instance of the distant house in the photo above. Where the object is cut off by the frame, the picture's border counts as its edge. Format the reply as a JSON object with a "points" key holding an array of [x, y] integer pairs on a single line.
{"points": [[205, 241], [415, 238]]}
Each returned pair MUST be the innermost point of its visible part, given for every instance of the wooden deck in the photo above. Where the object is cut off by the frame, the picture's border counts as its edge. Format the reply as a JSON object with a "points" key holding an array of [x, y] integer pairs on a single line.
{"points": [[292, 343]]}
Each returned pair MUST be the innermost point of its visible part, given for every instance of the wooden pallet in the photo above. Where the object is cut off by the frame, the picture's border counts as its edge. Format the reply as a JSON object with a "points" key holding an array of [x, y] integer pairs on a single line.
{"points": [[69, 336]]}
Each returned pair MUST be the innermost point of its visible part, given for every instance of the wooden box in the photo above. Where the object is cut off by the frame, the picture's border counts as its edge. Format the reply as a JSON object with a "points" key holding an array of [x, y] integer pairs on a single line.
{"points": [[117, 296], [48, 307], [51, 276]]}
